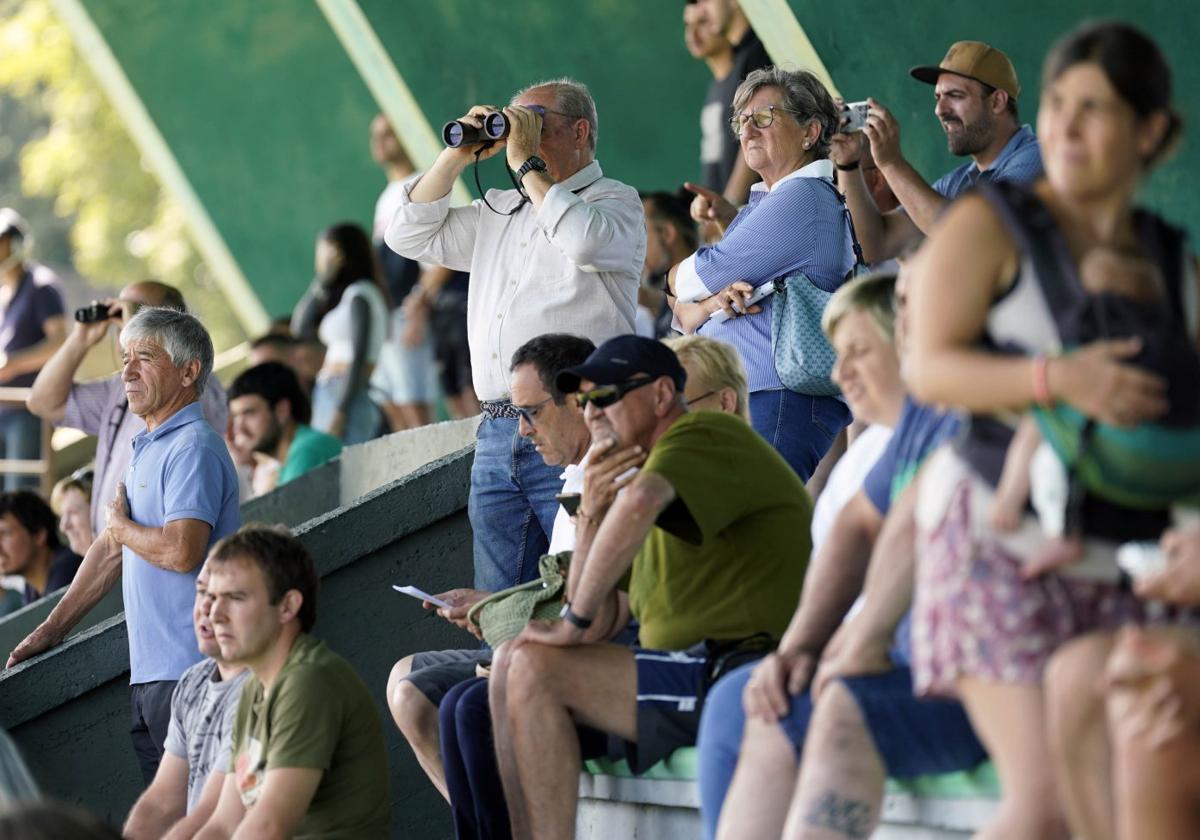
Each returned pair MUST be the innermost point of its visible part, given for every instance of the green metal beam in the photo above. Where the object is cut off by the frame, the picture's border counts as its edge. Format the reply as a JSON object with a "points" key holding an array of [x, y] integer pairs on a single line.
{"points": [[158, 156], [386, 84]]}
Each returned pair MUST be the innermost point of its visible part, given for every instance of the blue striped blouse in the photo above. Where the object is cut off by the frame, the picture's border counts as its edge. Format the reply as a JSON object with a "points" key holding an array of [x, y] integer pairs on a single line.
{"points": [[798, 225]]}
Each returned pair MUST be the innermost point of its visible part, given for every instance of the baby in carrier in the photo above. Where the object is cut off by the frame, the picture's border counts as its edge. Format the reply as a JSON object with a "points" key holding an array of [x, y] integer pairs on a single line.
{"points": [[1126, 297]]}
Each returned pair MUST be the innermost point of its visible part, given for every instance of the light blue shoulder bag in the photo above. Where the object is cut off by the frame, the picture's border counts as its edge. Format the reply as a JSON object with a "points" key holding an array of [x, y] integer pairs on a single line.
{"points": [[803, 355]]}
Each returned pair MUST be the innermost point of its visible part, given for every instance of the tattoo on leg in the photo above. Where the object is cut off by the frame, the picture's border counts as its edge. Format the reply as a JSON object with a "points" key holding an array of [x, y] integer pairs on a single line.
{"points": [[845, 815]]}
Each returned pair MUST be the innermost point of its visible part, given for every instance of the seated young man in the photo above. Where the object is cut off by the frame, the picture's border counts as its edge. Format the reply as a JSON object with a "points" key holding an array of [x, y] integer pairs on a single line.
{"points": [[30, 547], [713, 537], [189, 779], [308, 750]]}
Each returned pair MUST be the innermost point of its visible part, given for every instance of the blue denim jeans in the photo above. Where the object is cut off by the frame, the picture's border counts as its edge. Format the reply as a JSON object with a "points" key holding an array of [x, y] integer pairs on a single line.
{"points": [[800, 427], [363, 419], [720, 739], [20, 439], [511, 505]]}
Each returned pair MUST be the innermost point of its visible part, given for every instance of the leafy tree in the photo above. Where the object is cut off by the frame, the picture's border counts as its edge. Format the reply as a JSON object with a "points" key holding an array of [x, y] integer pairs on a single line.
{"points": [[123, 226]]}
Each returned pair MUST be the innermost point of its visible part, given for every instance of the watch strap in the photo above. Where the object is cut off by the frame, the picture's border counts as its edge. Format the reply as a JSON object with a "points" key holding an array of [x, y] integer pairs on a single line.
{"points": [[569, 615]]}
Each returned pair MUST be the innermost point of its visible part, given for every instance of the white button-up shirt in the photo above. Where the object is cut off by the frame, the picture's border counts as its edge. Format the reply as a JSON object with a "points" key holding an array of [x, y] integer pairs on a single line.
{"points": [[571, 267]]}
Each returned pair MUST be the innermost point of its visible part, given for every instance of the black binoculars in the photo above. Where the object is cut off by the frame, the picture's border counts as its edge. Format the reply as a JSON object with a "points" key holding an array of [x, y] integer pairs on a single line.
{"points": [[92, 313], [457, 133]]}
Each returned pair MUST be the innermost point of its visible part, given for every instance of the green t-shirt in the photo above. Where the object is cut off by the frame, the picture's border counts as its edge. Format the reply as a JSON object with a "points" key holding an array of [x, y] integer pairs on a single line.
{"points": [[309, 450], [318, 715], [727, 558]]}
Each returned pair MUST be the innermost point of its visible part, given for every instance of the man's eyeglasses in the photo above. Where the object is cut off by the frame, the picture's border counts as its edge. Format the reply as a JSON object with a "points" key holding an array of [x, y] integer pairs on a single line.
{"points": [[607, 395], [529, 413], [762, 118]]}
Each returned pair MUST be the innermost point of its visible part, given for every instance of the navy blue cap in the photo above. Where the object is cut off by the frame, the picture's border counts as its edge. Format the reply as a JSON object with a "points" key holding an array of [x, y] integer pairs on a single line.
{"points": [[621, 358]]}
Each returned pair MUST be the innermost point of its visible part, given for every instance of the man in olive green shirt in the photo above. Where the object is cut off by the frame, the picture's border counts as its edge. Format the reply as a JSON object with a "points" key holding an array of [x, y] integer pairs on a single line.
{"points": [[308, 750], [268, 415], [713, 534]]}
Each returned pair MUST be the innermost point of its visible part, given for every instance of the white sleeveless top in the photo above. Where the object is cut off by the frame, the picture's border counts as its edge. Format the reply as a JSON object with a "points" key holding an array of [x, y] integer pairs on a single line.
{"points": [[335, 333]]}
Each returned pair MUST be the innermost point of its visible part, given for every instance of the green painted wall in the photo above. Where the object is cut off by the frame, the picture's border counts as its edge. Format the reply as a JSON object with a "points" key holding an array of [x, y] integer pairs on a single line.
{"points": [[266, 116], [648, 90], [869, 46]]}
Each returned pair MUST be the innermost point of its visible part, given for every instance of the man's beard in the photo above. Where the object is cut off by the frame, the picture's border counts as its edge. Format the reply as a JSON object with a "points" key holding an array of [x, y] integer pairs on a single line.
{"points": [[973, 138], [269, 442]]}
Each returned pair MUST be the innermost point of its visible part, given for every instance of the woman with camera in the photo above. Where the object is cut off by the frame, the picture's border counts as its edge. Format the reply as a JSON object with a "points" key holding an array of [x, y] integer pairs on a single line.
{"points": [[794, 222], [347, 308], [1005, 269]]}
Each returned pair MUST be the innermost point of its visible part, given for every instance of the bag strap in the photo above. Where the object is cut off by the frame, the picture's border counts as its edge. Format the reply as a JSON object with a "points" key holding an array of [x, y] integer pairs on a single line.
{"points": [[858, 251]]}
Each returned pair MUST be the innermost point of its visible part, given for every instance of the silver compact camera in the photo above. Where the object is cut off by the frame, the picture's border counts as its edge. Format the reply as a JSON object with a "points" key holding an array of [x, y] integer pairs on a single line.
{"points": [[854, 117]]}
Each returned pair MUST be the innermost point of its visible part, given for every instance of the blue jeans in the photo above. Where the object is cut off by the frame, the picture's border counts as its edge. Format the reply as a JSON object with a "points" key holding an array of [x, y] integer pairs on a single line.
{"points": [[720, 739], [20, 439], [363, 419], [512, 505], [800, 427]]}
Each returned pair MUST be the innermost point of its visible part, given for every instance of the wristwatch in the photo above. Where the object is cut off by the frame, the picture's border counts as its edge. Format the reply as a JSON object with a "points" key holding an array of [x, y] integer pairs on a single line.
{"points": [[569, 615], [533, 164]]}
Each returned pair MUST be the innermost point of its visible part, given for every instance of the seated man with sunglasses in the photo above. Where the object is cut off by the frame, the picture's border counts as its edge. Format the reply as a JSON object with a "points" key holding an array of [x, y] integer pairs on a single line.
{"points": [[712, 539]]}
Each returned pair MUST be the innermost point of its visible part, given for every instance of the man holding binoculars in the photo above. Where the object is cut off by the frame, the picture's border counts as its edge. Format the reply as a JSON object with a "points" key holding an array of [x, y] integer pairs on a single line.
{"points": [[562, 254]]}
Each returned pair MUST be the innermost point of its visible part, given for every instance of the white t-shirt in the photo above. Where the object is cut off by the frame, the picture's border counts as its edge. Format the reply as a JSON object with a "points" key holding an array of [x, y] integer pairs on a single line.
{"points": [[847, 478], [562, 536]]}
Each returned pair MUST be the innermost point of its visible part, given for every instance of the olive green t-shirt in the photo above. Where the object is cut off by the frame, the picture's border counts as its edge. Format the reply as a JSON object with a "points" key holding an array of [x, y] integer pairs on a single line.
{"points": [[317, 715], [727, 558]]}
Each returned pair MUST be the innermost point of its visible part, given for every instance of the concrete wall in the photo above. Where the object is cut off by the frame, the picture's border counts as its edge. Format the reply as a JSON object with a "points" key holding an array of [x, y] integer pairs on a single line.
{"points": [[360, 470], [68, 709], [374, 463]]}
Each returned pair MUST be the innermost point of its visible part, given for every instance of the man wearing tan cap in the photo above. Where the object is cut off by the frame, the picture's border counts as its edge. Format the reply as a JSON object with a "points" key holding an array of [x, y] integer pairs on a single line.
{"points": [[975, 95]]}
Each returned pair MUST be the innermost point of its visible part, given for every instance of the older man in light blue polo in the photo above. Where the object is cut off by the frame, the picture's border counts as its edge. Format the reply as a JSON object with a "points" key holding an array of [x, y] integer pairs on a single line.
{"points": [[179, 496]]}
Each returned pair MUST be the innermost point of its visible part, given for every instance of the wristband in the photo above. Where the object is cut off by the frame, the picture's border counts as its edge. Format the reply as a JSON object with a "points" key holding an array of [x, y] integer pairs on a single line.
{"points": [[1041, 381], [570, 617], [850, 167]]}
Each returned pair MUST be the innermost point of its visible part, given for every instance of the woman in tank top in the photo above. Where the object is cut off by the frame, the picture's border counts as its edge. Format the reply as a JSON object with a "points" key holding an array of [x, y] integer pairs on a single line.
{"points": [[346, 307], [986, 341]]}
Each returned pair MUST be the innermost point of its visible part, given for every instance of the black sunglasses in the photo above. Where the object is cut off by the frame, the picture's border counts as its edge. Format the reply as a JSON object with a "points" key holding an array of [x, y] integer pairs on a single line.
{"points": [[607, 395]]}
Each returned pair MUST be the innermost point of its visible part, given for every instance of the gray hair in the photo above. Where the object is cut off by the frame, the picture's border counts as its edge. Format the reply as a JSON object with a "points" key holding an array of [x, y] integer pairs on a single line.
{"points": [[804, 96], [574, 102], [179, 334]]}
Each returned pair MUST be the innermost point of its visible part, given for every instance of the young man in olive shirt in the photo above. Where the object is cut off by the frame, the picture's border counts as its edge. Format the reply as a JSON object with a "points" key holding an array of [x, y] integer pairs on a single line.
{"points": [[713, 534], [308, 749]]}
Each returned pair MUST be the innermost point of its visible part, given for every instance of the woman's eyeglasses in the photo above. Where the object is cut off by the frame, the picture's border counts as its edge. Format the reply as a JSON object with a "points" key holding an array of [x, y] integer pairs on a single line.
{"points": [[761, 117], [607, 395]]}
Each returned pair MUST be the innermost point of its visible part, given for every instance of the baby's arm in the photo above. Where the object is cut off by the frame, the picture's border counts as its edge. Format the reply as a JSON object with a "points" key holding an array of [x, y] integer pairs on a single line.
{"points": [[1012, 493]]}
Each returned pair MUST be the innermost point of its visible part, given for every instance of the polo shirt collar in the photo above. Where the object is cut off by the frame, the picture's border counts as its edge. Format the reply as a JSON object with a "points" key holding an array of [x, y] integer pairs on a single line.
{"points": [[817, 169], [1020, 137], [190, 413]]}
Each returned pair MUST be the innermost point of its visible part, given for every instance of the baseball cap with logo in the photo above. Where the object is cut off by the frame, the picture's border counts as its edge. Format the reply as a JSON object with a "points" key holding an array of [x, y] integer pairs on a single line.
{"points": [[974, 60], [618, 359]]}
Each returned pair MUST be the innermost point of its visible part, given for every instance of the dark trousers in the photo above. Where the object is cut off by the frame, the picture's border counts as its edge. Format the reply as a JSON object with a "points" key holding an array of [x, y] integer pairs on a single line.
{"points": [[469, 756], [149, 714]]}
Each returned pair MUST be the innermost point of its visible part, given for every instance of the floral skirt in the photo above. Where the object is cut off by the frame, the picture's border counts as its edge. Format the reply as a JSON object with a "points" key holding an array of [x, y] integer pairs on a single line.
{"points": [[973, 613]]}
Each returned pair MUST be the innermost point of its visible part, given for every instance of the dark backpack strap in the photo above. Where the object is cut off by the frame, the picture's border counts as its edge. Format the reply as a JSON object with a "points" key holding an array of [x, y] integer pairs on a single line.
{"points": [[1164, 244], [1030, 223]]}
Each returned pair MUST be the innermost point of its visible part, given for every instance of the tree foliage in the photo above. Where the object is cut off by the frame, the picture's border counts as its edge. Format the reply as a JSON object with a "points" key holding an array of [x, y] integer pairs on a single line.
{"points": [[124, 226]]}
